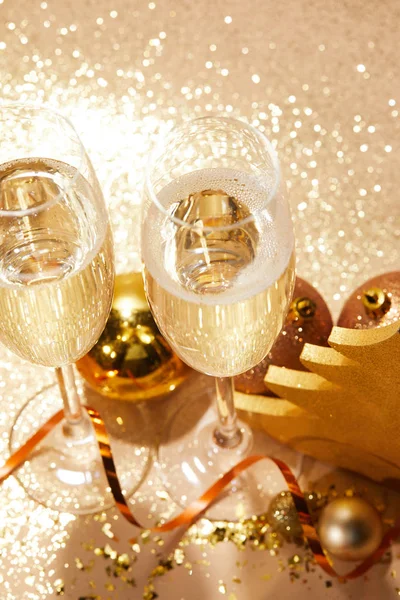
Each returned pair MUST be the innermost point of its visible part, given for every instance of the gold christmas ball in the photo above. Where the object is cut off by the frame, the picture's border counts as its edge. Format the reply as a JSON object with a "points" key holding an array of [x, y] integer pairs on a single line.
{"points": [[350, 529], [308, 321], [131, 361], [374, 304], [283, 517]]}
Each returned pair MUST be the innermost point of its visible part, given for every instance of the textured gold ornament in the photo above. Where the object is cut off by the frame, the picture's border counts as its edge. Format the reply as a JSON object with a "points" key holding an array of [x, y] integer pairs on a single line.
{"points": [[345, 411], [131, 360], [283, 516], [350, 529]]}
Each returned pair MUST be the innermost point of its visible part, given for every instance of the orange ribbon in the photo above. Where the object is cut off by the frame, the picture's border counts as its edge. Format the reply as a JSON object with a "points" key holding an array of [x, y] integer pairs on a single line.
{"points": [[196, 508]]}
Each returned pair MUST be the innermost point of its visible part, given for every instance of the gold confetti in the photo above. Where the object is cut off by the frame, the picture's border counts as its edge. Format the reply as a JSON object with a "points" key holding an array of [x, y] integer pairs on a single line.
{"points": [[254, 532], [281, 566], [123, 560], [81, 566], [106, 529], [109, 552], [145, 535], [179, 556], [294, 560], [221, 587], [163, 567], [59, 587], [149, 593], [102, 517], [159, 541]]}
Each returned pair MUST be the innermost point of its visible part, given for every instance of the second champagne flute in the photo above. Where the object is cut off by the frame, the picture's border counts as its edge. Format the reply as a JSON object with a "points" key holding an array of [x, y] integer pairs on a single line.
{"points": [[218, 250]]}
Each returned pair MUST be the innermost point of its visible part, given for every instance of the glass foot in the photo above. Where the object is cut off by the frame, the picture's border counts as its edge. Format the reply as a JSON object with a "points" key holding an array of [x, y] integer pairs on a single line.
{"points": [[68, 476], [190, 462]]}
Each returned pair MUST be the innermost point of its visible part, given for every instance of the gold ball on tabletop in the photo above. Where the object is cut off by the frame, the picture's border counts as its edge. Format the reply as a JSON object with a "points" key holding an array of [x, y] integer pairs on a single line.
{"points": [[131, 361], [350, 529], [283, 516]]}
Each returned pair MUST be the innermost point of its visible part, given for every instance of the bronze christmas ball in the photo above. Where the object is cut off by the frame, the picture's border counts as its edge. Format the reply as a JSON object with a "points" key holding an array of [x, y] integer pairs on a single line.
{"points": [[131, 361], [350, 529], [309, 320], [374, 304]]}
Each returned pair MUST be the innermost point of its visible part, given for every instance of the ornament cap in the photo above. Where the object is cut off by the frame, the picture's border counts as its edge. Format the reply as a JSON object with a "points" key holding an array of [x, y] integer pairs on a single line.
{"points": [[302, 309], [376, 302]]}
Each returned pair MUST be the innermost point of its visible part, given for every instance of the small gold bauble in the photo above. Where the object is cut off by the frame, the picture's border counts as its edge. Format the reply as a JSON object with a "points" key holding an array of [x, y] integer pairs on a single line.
{"points": [[350, 529], [283, 516], [131, 360]]}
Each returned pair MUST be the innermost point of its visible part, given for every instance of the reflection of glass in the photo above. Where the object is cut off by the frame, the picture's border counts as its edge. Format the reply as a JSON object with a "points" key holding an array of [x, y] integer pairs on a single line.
{"points": [[217, 244], [56, 286]]}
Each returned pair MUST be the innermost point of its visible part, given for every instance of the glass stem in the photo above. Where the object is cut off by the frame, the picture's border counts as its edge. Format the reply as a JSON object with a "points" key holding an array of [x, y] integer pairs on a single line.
{"points": [[69, 394], [76, 424], [227, 433]]}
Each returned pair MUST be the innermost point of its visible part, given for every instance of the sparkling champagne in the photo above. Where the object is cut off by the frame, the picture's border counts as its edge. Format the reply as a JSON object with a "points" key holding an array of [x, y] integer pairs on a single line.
{"points": [[220, 280], [56, 272]]}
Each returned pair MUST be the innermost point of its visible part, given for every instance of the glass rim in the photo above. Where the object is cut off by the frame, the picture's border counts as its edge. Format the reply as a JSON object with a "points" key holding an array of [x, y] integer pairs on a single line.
{"points": [[39, 109], [162, 144]]}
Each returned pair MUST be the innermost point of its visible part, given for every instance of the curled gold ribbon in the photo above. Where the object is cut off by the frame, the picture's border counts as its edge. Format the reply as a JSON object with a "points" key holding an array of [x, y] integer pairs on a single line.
{"points": [[196, 508]]}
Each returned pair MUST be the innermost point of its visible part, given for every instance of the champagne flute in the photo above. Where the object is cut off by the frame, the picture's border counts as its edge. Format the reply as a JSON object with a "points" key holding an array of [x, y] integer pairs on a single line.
{"points": [[218, 252], [56, 289]]}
